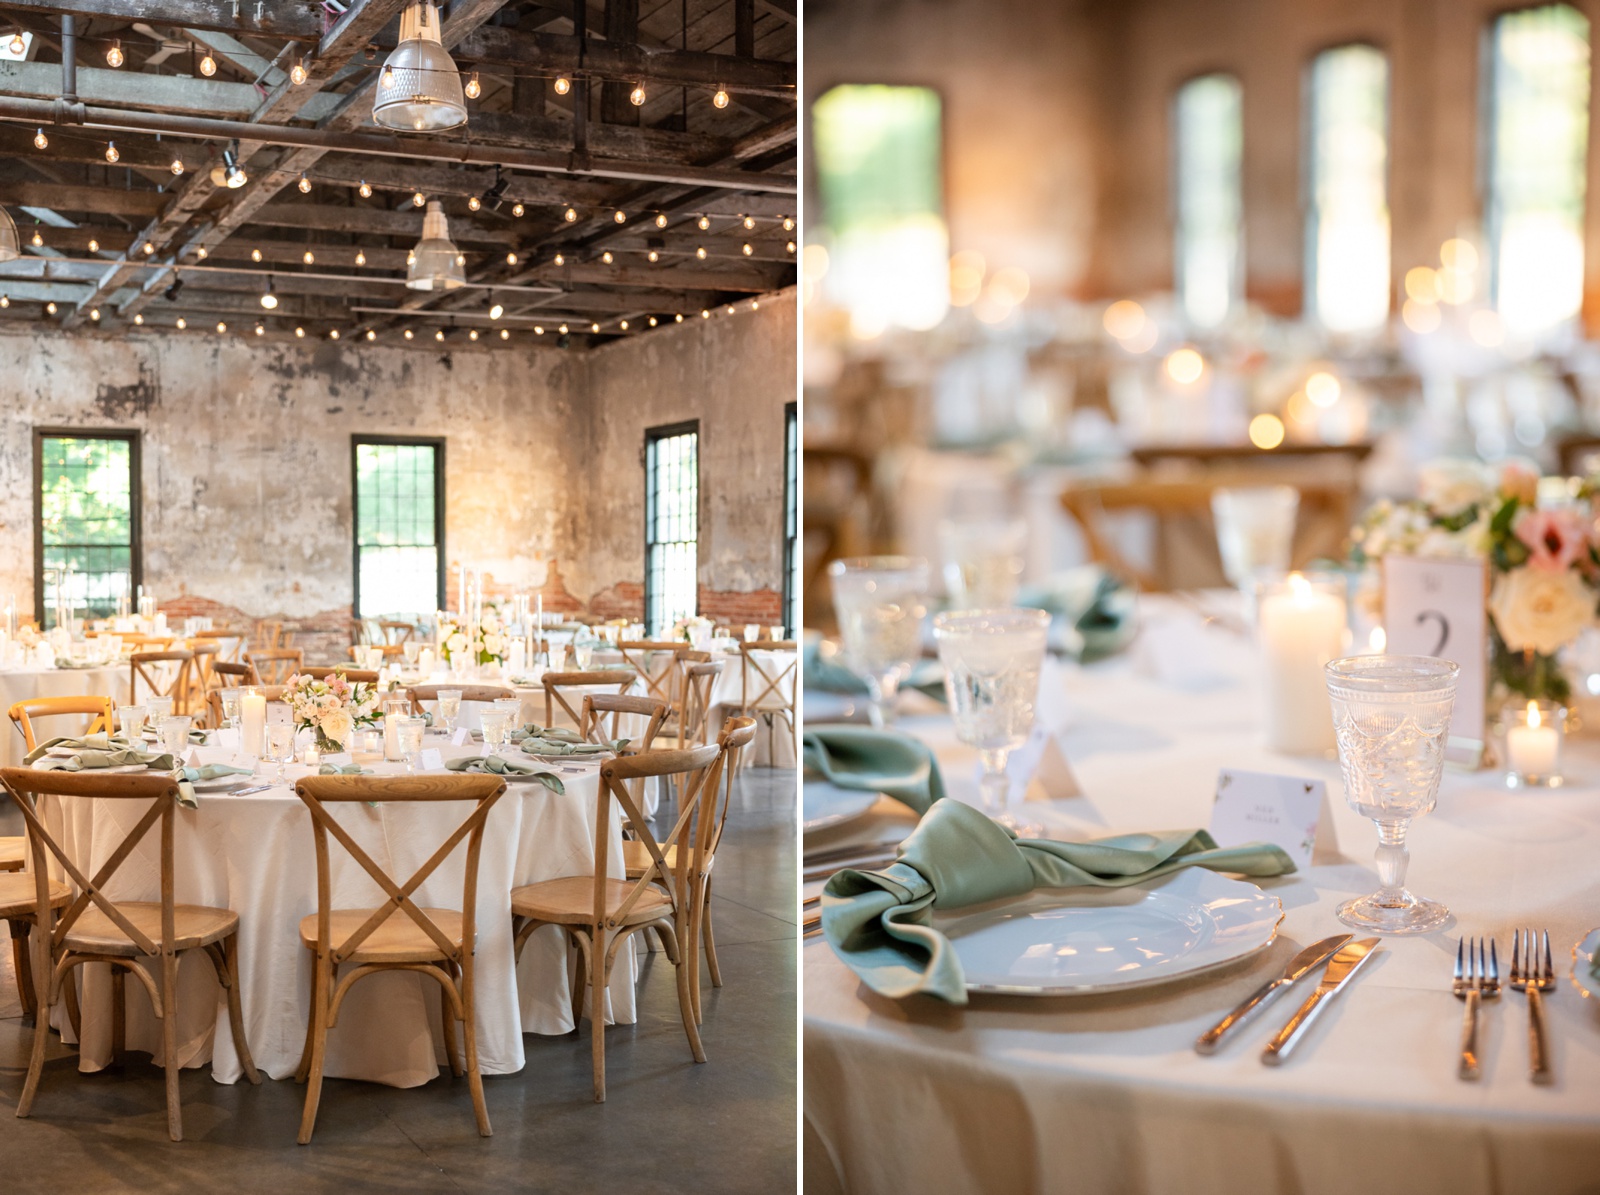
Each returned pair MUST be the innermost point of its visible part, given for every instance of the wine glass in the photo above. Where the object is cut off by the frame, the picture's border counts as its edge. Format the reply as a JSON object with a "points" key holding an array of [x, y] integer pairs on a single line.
{"points": [[1255, 531], [449, 708], [174, 732], [879, 603], [495, 724], [408, 731], [512, 708], [1391, 716], [409, 649], [752, 632], [157, 708], [130, 720], [279, 747], [230, 708], [983, 561], [992, 660], [582, 654]]}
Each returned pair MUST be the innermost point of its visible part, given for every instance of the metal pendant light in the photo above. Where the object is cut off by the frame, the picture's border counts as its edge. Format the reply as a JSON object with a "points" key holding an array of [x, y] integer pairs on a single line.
{"points": [[419, 88], [10, 247], [435, 262]]}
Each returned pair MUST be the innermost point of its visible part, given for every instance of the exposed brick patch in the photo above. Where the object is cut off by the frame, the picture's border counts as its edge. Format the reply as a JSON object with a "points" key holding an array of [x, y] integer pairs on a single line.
{"points": [[557, 598], [625, 599], [324, 637], [761, 606]]}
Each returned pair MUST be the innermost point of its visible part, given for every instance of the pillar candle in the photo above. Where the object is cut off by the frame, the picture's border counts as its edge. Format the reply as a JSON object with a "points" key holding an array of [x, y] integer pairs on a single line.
{"points": [[1302, 628], [1534, 748], [252, 724], [391, 736]]}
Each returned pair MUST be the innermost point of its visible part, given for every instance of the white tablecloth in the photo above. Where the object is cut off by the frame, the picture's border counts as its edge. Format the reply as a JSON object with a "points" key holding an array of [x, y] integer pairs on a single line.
{"points": [[54, 682], [1106, 1093], [254, 854]]}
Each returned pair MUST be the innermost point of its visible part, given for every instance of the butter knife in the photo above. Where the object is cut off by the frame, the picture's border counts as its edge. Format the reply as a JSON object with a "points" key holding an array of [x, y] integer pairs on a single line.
{"points": [[1340, 971], [1298, 967]]}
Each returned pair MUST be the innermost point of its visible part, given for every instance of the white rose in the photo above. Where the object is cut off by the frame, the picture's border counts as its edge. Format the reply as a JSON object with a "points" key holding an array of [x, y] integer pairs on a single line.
{"points": [[1450, 486], [456, 642], [1540, 610], [336, 725], [492, 644]]}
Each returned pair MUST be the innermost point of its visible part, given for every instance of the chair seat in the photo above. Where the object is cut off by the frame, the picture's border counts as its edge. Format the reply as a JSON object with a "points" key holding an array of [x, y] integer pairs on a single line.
{"points": [[397, 940], [636, 856], [570, 901], [193, 925], [17, 896], [12, 853]]}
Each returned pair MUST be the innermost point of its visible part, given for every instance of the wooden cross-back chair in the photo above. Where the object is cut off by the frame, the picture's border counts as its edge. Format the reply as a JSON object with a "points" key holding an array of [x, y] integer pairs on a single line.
{"points": [[144, 666], [19, 908], [638, 654], [391, 651], [487, 694], [230, 643], [364, 676], [598, 707], [558, 684], [275, 665], [599, 914], [736, 735], [767, 686], [692, 720], [202, 679], [396, 632], [96, 929], [269, 634], [99, 711], [397, 935]]}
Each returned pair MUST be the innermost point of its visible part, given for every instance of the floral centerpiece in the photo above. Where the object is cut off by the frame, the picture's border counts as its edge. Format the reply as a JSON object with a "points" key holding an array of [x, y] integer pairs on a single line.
{"points": [[685, 630], [331, 708], [486, 646], [1544, 564]]}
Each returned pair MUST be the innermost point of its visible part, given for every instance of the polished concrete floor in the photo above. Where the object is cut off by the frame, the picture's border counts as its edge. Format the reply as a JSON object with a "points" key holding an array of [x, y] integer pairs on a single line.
{"points": [[667, 1123]]}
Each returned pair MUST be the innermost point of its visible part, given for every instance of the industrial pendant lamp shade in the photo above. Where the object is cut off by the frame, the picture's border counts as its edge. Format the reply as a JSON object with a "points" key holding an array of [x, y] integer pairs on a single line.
{"points": [[419, 88], [435, 262], [10, 247]]}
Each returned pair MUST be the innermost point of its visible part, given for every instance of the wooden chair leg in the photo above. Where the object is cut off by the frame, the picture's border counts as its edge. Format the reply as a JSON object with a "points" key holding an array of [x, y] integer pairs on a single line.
{"points": [[119, 1011], [22, 966], [448, 1023], [685, 997], [304, 1068], [319, 1043], [597, 1009], [469, 1019], [42, 970], [169, 1042], [230, 954], [691, 955], [711, 942]]}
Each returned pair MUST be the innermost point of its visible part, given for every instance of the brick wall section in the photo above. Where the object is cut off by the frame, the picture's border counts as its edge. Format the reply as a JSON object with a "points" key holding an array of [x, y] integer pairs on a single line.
{"points": [[761, 606]]}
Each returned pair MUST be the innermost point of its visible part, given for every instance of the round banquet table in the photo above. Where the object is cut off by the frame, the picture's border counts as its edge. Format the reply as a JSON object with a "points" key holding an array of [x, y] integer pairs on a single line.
{"points": [[254, 854], [32, 683], [1105, 1093]]}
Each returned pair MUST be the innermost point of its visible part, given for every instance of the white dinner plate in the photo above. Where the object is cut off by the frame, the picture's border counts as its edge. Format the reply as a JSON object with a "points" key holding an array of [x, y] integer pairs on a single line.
{"points": [[592, 757], [218, 783], [825, 804], [1066, 941], [116, 771], [819, 706], [1582, 960]]}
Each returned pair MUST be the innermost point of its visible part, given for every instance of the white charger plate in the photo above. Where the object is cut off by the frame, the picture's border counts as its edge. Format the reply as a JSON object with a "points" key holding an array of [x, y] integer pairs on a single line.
{"points": [[825, 804], [1582, 959], [1068, 941]]}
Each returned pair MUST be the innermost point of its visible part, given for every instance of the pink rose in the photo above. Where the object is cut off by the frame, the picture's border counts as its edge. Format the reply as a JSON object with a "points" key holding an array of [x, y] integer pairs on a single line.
{"points": [[1555, 538], [1519, 479]]}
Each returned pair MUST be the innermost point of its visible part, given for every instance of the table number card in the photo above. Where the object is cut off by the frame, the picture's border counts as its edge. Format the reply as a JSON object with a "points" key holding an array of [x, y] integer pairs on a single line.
{"points": [[1439, 608], [462, 737], [1260, 807]]}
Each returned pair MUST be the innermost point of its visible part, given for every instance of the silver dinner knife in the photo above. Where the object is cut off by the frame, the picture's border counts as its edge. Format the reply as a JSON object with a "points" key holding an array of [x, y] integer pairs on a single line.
{"points": [[1311, 957], [1340, 971]]}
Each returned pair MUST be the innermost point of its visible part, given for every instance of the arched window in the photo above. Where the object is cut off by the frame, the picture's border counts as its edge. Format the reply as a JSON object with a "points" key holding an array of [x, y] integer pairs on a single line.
{"points": [[1208, 136]]}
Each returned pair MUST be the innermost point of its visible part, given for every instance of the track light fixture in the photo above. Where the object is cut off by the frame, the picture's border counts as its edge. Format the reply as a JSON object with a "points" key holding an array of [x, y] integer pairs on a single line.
{"points": [[171, 293]]}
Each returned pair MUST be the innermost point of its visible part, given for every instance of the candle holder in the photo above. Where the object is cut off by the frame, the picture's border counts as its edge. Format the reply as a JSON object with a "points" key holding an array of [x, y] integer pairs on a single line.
{"points": [[1531, 736]]}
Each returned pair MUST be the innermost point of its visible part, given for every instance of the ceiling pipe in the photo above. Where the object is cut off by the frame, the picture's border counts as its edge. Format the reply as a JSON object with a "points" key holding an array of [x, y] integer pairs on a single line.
{"points": [[278, 271], [68, 110], [31, 111]]}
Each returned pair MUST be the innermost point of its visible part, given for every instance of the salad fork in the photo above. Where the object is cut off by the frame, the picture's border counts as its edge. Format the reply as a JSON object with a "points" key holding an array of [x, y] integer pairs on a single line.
{"points": [[1475, 980], [1530, 975]]}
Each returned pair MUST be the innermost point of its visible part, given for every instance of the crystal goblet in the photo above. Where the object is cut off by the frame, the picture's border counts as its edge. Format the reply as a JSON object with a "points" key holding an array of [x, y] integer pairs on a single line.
{"points": [[879, 601]]}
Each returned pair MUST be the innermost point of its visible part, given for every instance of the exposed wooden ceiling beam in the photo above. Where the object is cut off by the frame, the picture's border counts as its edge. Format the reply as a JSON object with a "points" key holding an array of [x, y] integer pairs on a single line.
{"points": [[301, 20], [147, 93]]}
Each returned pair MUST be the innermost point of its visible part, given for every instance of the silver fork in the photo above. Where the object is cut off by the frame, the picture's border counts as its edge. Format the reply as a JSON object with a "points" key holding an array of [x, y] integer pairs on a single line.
{"points": [[1475, 980], [1529, 974]]}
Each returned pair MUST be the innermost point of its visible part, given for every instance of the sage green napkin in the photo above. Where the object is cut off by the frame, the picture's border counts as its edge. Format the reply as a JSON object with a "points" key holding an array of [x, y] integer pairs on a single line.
{"points": [[96, 751], [349, 769], [1097, 613], [824, 672], [859, 757], [500, 766], [534, 730], [210, 771], [880, 922]]}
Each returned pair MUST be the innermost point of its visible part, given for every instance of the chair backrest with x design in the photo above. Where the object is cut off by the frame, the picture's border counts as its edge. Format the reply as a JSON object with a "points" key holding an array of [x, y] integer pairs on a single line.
{"points": [[643, 655], [766, 683], [488, 694], [598, 707], [695, 764], [396, 632], [230, 643], [557, 686], [736, 734], [98, 709], [356, 676], [276, 665], [694, 701], [146, 666], [319, 792]]}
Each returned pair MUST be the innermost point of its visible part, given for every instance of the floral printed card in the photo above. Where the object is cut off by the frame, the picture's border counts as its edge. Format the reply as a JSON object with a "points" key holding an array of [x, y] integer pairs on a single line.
{"points": [[1260, 807], [1436, 607]]}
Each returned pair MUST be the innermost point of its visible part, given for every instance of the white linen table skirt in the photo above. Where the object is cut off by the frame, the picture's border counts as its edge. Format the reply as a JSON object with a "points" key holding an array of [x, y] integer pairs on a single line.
{"points": [[255, 855], [1107, 1094]]}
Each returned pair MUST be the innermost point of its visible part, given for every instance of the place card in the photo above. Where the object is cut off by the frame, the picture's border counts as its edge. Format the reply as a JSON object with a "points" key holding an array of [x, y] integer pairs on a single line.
{"points": [[462, 737], [228, 738], [1439, 608], [1038, 770], [1287, 811], [432, 760]]}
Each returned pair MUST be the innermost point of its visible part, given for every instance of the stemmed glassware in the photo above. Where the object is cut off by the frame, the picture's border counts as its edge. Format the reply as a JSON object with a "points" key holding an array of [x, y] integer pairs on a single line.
{"points": [[410, 649], [992, 660], [230, 708], [408, 730], [983, 561], [880, 602], [174, 732], [1391, 716], [449, 708], [130, 720], [1255, 532], [512, 708], [495, 724], [279, 746]]}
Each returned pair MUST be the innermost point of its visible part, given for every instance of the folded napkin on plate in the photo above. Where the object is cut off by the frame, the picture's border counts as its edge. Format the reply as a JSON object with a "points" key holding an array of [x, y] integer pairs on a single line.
{"points": [[826, 673], [882, 761], [534, 730], [501, 766], [96, 751], [349, 769], [880, 922], [210, 771], [533, 745], [1098, 612], [196, 736]]}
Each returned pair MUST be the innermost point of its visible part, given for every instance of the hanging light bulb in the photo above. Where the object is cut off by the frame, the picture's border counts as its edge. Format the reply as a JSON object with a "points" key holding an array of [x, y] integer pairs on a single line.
{"points": [[255, 255], [562, 329], [563, 85], [208, 66], [221, 327], [114, 55], [748, 248], [678, 318], [636, 96], [473, 334], [703, 223], [749, 221], [149, 248], [755, 305], [40, 141], [623, 325], [700, 252], [511, 259], [309, 258], [269, 297], [94, 245], [788, 224], [661, 219], [408, 334], [176, 165], [435, 263], [594, 327], [517, 209], [439, 335], [461, 259], [721, 98], [538, 329], [371, 335], [474, 88], [474, 203], [704, 314], [620, 216], [50, 307], [420, 88], [496, 311], [560, 261], [361, 257], [304, 184], [138, 318], [505, 333], [571, 214], [261, 330], [654, 255], [606, 257], [790, 247], [365, 189], [201, 252], [38, 240], [94, 314], [652, 321], [298, 73], [111, 151], [19, 44], [300, 333], [418, 199], [182, 323]]}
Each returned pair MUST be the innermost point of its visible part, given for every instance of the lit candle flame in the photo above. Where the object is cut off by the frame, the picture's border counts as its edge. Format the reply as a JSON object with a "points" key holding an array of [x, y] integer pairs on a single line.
{"points": [[1533, 714], [1299, 587]]}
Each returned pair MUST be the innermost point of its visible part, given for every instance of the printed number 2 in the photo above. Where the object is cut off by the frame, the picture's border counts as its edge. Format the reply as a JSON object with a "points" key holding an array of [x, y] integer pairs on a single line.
{"points": [[1444, 629]]}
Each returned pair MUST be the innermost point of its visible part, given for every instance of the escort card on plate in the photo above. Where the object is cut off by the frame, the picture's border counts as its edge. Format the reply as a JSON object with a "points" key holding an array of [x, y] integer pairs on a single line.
{"points": [[1438, 608], [1260, 807]]}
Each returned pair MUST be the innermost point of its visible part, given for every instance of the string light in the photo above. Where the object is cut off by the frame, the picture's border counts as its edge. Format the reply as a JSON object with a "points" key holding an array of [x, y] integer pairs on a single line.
{"points": [[653, 255], [749, 221], [388, 76], [176, 165], [623, 325], [474, 203], [201, 252], [703, 223], [5, 300], [517, 209], [50, 307], [260, 330], [208, 66], [439, 335], [606, 257], [755, 304], [299, 333], [473, 334], [511, 259], [182, 323], [19, 44], [365, 189], [304, 184], [748, 248], [407, 334], [562, 329], [538, 329], [505, 333], [94, 314], [221, 327], [678, 318], [309, 258], [497, 311], [721, 98], [297, 72], [636, 96], [149, 248], [371, 334], [620, 216], [37, 239], [560, 261], [563, 85], [704, 314], [730, 308], [788, 224], [418, 199], [269, 297], [661, 219], [139, 318], [594, 327], [789, 247], [700, 252], [461, 259], [40, 141], [114, 56], [111, 151], [361, 257], [652, 321], [333, 334], [571, 214], [255, 255], [474, 88]]}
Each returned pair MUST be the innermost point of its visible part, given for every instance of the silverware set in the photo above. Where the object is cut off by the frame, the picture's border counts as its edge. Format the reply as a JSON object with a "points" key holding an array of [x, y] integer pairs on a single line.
{"points": [[1477, 978]]}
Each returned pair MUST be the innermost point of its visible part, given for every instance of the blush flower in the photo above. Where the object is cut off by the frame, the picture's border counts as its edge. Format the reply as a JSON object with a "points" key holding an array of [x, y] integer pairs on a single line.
{"points": [[1554, 538]]}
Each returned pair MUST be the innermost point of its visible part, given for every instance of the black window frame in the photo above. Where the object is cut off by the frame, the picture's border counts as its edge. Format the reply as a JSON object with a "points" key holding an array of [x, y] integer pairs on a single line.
{"points": [[135, 503], [791, 515], [652, 435], [437, 443]]}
